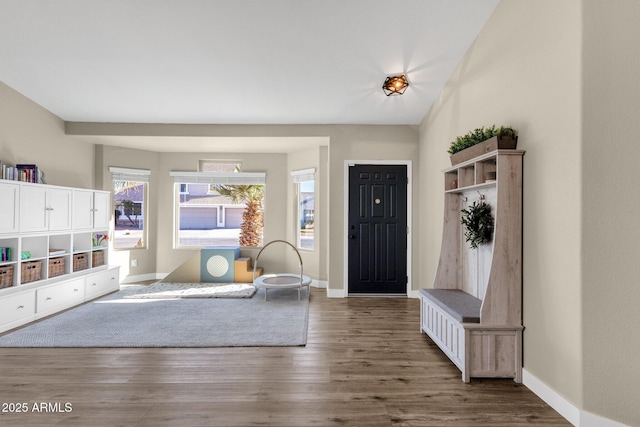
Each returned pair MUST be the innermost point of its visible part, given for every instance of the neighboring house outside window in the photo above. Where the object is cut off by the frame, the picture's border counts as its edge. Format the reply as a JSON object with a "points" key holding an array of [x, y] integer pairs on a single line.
{"points": [[130, 207], [207, 218], [211, 214]]}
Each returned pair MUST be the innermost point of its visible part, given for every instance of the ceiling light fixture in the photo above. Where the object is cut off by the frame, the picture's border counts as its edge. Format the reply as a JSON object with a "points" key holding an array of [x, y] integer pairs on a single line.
{"points": [[395, 85]]}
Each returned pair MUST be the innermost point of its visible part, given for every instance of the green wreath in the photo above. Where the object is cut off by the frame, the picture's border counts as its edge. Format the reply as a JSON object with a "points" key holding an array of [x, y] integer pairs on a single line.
{"points": [[478, 223]]}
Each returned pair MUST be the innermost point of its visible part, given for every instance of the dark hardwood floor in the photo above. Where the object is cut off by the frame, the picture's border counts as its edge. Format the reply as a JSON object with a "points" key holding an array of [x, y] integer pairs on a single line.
{"points": [[365, 364]]}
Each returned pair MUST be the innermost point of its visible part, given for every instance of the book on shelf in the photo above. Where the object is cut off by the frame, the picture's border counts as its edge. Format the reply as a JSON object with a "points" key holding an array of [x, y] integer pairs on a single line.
{"points": [[28, 173], [22, 172], [53, 252], [5, 254]]}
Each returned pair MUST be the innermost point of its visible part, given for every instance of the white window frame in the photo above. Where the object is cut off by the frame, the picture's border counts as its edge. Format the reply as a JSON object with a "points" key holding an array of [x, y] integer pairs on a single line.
{"points": [[228, 178], [298, 177], [140, 176]]}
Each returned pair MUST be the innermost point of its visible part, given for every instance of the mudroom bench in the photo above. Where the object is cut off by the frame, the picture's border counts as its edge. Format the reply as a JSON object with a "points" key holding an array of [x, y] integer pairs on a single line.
{"points": [[474, 310], [451, 318]]}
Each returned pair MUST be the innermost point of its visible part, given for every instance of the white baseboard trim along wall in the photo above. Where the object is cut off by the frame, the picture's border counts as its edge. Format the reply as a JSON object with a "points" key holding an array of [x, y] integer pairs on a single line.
{"points": [[575, 416], [143, 277], [321, 284]]}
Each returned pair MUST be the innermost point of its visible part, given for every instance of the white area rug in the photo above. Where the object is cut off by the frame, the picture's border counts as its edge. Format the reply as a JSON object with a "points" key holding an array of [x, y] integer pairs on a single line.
{"points": [[166, 290]]}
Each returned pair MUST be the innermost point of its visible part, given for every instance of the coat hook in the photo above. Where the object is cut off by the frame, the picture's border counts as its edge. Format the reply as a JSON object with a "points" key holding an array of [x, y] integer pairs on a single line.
{"points": [[481, 196]]}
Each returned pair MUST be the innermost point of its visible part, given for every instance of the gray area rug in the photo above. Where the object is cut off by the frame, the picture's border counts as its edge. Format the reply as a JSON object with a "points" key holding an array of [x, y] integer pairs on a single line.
{"points": [[117, 321], [193, 290]]}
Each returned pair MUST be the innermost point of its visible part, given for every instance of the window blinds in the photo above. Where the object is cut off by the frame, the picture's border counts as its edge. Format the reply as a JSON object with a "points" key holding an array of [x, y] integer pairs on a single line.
{"points": [[129, 175], [303, 175], [231, 178]]}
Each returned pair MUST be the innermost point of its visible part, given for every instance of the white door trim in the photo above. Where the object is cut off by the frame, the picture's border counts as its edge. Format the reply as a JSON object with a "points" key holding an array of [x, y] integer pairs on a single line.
{"points": [[347, 163]]}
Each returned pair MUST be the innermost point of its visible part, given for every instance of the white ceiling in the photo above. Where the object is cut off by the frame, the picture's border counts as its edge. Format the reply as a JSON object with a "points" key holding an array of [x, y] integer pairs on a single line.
{"points": [[234, 61]]}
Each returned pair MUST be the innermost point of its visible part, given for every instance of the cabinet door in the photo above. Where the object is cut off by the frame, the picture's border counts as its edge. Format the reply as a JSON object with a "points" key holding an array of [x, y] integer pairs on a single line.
{"points": [[101, 209], [59, 204], [9, 211], [82, 212], [33, 208]]}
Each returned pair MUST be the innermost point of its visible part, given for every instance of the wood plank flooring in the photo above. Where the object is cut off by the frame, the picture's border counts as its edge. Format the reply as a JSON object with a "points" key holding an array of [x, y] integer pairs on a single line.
{"points": [[365, 364]]}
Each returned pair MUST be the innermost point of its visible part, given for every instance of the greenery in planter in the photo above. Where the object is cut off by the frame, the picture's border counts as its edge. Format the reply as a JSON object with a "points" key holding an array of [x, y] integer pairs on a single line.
{"points": [[479, 135], [478, 223]]}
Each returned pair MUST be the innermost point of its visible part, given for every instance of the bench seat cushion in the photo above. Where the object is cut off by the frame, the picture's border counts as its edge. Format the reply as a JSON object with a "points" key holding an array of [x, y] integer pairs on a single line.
{"points": [[463, 307]]}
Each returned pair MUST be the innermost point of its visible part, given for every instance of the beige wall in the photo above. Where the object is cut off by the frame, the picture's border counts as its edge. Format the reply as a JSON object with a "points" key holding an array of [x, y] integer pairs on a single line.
{"points": [[531, 69], [611, 209], [31, 134]]}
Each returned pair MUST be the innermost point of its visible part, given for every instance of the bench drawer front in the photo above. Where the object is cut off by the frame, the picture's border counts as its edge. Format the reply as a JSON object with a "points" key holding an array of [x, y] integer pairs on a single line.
{"points": [[55, 298], [17, 309], [101, 283]]}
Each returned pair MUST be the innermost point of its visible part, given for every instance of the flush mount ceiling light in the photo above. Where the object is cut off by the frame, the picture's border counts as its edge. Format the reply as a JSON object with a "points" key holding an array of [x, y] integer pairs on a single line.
{"points": [[395, 85]]}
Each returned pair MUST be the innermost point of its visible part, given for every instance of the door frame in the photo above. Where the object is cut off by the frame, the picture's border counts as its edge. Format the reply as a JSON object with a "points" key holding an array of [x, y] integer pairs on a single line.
{"points": [[345, 219]]}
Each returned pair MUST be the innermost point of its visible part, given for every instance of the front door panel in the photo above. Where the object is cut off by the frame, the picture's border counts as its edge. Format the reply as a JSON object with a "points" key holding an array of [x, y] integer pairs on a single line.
{"points": [[377, 229]]}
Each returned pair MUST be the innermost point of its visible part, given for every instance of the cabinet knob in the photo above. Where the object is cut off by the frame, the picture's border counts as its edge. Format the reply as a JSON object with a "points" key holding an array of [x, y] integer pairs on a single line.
{"points": [[48, 298], [20, 307], [75, 290], [93, 284]]}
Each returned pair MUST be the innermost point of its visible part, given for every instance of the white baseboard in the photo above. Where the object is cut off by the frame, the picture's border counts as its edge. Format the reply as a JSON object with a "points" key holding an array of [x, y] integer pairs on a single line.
{"points": [[144, 277], [320, 284], [568, 410], [340, 293], [335, 293], [587, 419], [414, 294], [553, 399]]}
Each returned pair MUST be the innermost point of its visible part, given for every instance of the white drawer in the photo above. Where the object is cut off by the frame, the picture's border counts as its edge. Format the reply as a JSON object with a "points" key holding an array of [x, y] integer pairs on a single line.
{"points": [[58, 297], [17, 309], [101, 283]]}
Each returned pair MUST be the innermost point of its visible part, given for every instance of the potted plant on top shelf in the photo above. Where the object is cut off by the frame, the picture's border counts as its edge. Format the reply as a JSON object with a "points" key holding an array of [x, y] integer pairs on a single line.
{"points": [[480, 141]]}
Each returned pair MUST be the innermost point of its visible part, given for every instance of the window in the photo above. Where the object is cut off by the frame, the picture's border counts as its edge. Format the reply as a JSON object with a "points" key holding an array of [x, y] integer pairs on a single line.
{"points": [[220, 209], [304, 181], [130, 195]]}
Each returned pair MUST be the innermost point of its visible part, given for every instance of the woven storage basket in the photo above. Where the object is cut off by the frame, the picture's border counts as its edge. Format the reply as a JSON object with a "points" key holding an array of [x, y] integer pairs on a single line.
{"points": [[97, 258], [6, 276], [31, 271], [80, 262], [56, 267]]}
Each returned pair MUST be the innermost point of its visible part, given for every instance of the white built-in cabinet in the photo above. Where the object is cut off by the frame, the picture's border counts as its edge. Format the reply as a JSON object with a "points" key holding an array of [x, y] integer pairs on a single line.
{"points": [[52, 229], [44, 208], [10, 211], [91, 209]]}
